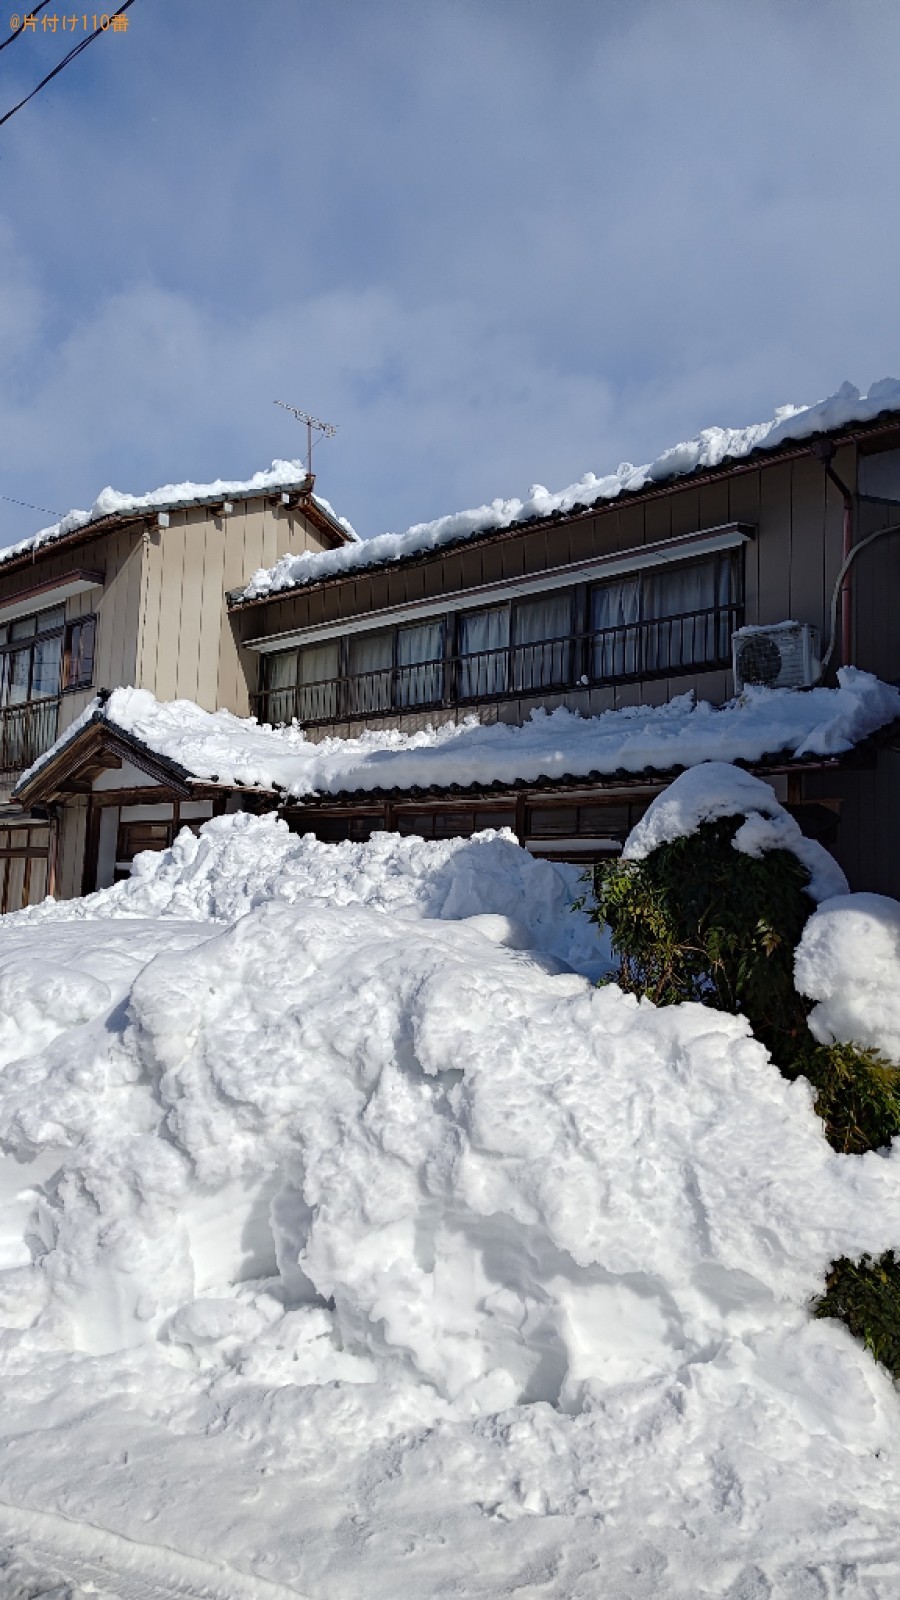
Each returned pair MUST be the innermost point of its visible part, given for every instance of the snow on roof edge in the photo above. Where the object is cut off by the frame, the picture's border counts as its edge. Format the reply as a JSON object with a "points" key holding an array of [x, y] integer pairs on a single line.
{"points": [[219, 747], [172, 496], [712, 447]]}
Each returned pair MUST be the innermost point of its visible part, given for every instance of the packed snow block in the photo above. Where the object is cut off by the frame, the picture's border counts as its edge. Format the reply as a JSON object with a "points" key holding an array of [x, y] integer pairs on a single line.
{"points": [[848, 961]]}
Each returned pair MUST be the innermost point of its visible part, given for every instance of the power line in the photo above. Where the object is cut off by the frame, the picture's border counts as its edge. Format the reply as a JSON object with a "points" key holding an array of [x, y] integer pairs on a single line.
{"points": [[27, 503], [21, 29], [76, 51]]}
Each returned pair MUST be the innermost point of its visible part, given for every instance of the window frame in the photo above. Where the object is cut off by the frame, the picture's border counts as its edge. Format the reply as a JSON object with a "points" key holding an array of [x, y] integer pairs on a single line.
{"points": [[577, 646], [63, 629]]}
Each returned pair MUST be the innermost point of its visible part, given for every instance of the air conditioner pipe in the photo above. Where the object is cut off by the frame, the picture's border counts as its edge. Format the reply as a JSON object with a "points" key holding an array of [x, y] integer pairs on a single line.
{"points": [[849, 558]]}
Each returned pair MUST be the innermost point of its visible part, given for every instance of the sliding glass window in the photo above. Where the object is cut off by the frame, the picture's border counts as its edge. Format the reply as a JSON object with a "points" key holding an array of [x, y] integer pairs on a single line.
{"points": [[483, 641], [420, 671], [542, 656]]}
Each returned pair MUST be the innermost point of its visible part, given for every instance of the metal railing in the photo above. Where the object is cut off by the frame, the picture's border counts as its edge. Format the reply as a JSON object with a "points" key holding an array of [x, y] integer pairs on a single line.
{"points": [[695, 641], [26, 731]]}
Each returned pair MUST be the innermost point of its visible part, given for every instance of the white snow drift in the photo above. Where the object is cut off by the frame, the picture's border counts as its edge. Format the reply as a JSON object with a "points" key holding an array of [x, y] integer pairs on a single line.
{"points": [[222, 748], [357, 1245], [849, 962]]}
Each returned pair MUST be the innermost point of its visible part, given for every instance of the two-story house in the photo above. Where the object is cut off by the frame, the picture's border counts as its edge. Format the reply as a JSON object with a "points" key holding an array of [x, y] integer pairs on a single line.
{"points": [[130, 593], [744, 562]]}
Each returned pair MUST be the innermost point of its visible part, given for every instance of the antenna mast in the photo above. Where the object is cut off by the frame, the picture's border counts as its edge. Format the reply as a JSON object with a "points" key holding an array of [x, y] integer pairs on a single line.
{"points": [[326, 429]]}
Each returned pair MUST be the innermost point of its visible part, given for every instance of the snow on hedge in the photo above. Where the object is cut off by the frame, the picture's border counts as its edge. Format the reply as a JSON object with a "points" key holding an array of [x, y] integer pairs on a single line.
{"points": [[848, 961], [715, 789], [220, 747], [352, 1247], [112, 502], [709, 448]]}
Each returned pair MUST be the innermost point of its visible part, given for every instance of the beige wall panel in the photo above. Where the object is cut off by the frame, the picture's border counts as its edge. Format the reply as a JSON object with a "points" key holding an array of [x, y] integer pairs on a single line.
{"points": [[151, 604], [117, 610], [173, 544], [602, 699], [190, 606], [627, 694], [216, 649], [71, 706]]}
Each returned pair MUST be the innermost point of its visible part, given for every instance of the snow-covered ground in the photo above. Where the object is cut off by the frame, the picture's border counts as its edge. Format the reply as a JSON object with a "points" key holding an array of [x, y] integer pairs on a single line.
{"points": [[356, 1244]]}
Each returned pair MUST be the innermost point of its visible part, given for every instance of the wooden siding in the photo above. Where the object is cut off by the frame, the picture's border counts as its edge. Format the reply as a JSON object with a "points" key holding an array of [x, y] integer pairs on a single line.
{"points": [[188, 647], [789, 571]]}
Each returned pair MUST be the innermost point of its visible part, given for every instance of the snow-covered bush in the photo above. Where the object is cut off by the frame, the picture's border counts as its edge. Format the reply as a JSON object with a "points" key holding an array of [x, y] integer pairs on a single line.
{"points": [[710, 898]]}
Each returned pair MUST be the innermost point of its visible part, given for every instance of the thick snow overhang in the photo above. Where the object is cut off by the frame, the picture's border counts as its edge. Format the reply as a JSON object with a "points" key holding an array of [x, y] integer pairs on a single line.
{"points": [[295, 490], [672, 471], [96, 745], [194, 751]]}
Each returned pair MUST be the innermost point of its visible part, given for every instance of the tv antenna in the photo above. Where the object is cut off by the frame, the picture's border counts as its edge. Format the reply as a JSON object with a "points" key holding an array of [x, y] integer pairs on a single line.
{"points": [[326, 429]]}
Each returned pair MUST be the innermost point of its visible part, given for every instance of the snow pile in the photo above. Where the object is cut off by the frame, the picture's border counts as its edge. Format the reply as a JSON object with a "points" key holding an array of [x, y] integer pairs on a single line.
{"points": [[222, 748], [352, 1246], [849, 962], [713, 790], [239, 862], [111, 502], [710, 448]]}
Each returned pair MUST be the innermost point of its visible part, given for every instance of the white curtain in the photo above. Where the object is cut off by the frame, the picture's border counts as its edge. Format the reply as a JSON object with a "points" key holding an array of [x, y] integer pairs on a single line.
{"points": [[370, 658], [676, 638], [484, 639], [542, 650], [317, 675], [419, 664], [615, 615]]}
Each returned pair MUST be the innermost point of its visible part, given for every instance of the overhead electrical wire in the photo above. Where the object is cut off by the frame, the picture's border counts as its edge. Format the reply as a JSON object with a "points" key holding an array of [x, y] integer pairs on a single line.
{"points": [[76, 51], [13, 501], [21, 29]]}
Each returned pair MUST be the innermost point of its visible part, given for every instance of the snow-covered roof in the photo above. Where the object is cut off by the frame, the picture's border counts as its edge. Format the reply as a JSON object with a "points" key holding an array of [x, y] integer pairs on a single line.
{"points": [[218, 747], [710, 448], [287, 475]]}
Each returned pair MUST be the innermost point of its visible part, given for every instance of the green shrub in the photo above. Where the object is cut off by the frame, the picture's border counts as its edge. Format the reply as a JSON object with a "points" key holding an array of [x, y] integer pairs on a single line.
{"points": [[698, 920], [865, 1296], [857, 1095]]}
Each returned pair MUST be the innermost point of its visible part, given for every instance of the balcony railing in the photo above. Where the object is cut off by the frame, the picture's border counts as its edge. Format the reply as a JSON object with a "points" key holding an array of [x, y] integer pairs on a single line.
{"points": [[26, 731], [697, 641]]}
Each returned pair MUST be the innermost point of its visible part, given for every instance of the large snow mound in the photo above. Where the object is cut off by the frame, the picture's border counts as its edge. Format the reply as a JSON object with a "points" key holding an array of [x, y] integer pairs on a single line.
{"points": [[709, 448], [238, 862], [715, 789], [220, 747], [848, 961], [352, 1247]]}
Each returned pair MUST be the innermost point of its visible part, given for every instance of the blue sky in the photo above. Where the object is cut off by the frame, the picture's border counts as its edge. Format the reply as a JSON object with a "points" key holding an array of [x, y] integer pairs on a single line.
{"points": [[497, 242]]}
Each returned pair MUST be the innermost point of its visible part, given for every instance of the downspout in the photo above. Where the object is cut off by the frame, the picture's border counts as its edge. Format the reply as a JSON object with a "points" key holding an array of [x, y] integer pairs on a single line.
{"points": [[825, 450]]}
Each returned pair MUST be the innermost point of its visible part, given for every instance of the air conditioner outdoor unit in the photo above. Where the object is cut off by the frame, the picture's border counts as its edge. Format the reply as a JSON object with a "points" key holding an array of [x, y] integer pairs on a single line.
{"points": [[782, 656]]}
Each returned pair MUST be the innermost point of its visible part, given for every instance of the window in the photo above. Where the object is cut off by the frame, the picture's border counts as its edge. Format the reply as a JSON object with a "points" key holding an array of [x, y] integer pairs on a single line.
{"points": [[667, 619], [483, 650], [42, 655], [542, 629], [79, 653]]}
